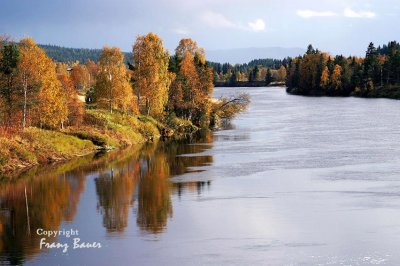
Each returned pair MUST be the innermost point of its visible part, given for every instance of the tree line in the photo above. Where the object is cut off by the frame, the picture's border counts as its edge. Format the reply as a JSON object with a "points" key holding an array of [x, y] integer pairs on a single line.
{"points": [[36, 91], [68, 55], [259, 72], [319, 73]]}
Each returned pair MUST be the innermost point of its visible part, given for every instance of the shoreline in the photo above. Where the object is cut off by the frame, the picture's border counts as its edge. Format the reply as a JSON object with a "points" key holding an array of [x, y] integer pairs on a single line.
{"points": [[376, 93], [39, 147], [248, 84]]}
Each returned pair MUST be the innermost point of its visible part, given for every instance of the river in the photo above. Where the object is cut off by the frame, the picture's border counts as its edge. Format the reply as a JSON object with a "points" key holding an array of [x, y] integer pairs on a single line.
{"points": [[292, 181]]}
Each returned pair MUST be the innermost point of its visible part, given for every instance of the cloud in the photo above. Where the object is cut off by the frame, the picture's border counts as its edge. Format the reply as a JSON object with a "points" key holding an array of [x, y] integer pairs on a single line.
{"points": [[349, 13], [181, 31], [217, 20], [311, 13], [257, 25]]}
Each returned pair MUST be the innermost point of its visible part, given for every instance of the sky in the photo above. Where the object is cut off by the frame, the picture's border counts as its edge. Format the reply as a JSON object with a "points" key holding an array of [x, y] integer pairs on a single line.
{"points": [[337, 26]]}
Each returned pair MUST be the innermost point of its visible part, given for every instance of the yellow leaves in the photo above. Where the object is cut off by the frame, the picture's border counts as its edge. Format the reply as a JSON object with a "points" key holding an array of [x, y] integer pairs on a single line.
{"points": [[113, 90], [188, 69], [150, 73], [308, 69], [37, 75], [80, 77], [191, 88], [336, 77], [194, 83], [33, 61], [75, 106], [325, 78], [281, 74], [189, 46], [53, 110]]}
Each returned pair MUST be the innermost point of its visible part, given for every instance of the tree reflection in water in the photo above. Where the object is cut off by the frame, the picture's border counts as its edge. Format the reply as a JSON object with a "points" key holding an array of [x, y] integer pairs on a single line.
{"points": [[48, 201], [148, 175], [154, 198], [124, 179]]}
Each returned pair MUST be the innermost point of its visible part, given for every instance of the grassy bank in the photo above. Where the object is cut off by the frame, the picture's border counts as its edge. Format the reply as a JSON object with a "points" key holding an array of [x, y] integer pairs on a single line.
{"points": [[100, 130]]}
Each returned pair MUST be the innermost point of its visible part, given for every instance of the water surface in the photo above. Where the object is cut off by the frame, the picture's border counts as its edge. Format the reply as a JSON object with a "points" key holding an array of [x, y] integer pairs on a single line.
{"points": [[293, 181]]}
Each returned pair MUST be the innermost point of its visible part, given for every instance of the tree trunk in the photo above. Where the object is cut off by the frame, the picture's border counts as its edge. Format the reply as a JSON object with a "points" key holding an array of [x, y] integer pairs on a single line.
{"points": [[148, 106], [25, 103], [138, 101], [111, 94]]}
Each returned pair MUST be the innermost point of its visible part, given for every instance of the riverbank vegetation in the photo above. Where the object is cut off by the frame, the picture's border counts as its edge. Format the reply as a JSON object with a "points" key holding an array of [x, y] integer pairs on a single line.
{"points": [[51, 111], [318, 73]]}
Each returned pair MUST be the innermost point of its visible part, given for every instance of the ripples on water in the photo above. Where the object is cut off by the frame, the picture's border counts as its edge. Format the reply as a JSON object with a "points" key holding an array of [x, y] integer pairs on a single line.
{"points": [[292, 181]]}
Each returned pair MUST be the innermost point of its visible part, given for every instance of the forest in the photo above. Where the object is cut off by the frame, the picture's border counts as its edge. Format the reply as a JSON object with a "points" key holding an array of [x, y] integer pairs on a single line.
{"points": [[258, 72], [54, 110], [68, 55], [318, 73]]}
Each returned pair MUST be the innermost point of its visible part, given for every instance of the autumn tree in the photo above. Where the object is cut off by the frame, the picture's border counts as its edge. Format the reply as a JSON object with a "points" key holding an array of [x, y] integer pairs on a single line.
{"points": [[194, 81], [191, 84], [80, 77], [311, 68], [113, 90], [92, 69], [62, 68], [40, 87], [188, 45], [325, 78], [74, 105], [150, 73], [281, 73], [205, 75], [52, 107], [30, 67], [336, 77]]}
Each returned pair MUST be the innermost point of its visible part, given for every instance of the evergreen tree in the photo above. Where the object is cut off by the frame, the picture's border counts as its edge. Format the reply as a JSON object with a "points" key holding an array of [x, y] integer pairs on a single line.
{"points": [[8, 70], [371, 65], [310, 49], [268, 77]]}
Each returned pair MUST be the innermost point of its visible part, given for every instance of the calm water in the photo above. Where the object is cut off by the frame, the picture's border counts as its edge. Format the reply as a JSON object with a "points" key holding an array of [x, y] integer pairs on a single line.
{"points": [[293, 181]]}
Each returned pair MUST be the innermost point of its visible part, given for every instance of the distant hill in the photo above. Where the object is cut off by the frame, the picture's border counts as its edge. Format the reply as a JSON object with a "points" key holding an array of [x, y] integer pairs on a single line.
{"points": [[244, 55], [232, 56], [64, 54]]}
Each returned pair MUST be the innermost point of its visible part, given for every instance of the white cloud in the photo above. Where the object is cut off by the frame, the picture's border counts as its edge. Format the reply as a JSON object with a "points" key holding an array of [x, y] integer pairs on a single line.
{"points": [[311, 13], [257, 25], [181, 31], [360, 14], [348, 12], [217, 20]]}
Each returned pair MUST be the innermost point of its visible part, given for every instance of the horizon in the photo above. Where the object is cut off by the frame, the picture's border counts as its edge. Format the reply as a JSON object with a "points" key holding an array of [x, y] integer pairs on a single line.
{"points": [[229, 50]]}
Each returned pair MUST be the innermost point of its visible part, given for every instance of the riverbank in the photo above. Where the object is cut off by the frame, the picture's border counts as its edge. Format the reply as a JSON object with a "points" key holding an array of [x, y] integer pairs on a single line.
{"points": [[100, 130], [248, 84], [390, 92]]}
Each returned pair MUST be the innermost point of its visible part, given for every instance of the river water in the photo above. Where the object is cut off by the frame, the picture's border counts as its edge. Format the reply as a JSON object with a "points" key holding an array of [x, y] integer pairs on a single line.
{"points": [[292, 181]]}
